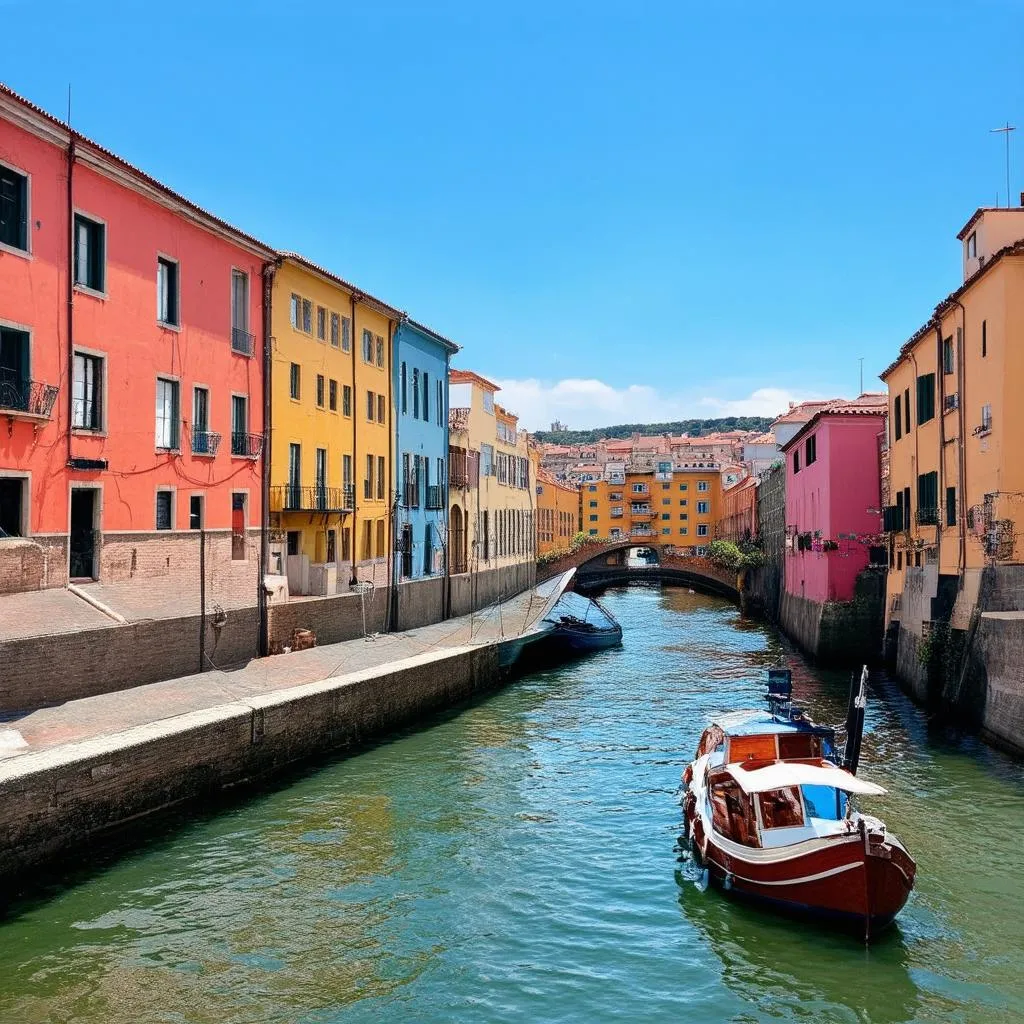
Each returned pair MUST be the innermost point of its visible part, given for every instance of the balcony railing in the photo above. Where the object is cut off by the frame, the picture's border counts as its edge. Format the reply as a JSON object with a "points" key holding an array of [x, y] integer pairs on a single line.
{"points": [[247, 446], [26, 399], [928, 517], [641, 531], [616, 513], [640, 510], [436, 498], [242, 342], [205, 442], [289, 498]]}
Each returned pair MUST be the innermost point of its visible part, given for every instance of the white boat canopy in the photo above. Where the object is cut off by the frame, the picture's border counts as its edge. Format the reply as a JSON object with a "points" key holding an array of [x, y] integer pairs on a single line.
{"points": [[781, 774]]}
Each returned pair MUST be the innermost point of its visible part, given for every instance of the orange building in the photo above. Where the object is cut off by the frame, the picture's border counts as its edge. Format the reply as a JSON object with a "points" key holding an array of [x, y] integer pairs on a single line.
{"points": [[676, 507], [557, 514], [739, 512]]}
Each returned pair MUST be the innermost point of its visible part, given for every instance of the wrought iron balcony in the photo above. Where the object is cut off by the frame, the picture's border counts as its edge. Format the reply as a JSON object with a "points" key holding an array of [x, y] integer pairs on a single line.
{"points": [[26, 399], [205, 442], [436, 498], [616, 513], [641, 531], [288, 498], [246, 446], [641, 510], [928, 517], [242, 342]]}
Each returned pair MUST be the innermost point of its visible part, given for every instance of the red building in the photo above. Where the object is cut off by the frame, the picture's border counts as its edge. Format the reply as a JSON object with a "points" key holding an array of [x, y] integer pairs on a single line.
{"points": [[131, 370]]}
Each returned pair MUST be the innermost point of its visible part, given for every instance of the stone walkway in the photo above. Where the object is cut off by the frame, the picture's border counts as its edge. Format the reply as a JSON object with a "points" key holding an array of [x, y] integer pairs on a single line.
{"points": [[111, 713], [45, 612]]}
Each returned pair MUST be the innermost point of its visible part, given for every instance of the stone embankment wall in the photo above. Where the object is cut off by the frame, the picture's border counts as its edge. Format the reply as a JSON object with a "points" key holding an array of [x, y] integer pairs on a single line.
{"points": [[53, 801], [839, 632]]}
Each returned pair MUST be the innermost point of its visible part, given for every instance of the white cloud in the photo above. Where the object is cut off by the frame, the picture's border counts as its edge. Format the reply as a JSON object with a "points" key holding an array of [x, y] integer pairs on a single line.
{"points": [[583, 403]]}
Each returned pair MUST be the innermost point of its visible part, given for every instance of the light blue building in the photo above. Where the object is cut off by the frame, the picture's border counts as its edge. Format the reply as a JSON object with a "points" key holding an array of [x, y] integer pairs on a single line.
{"points": [[420, 388]]}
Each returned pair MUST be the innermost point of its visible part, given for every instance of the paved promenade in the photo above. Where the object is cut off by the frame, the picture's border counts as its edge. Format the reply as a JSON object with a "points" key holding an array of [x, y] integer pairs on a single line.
{"points": [[111, 713]]}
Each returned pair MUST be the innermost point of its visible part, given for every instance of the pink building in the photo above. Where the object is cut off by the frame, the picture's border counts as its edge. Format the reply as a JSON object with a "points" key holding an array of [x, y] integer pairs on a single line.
{"points": [[833, 498]]}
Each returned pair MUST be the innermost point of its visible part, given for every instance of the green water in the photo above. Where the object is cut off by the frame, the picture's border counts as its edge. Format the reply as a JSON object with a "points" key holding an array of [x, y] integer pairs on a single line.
{"points": [[515, 861]]}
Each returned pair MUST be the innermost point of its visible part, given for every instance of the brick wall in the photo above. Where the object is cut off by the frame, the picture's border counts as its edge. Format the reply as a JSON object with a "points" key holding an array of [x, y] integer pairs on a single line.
{"points": [[32, 563], [334, 619], [53, 801], [65, 666]]}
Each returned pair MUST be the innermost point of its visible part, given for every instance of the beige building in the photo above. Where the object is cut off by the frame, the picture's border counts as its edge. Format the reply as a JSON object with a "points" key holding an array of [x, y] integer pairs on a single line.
{"points": [[492, 483]]}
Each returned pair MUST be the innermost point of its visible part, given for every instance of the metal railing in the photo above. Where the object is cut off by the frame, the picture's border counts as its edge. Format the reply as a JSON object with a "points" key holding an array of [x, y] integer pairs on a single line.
{"points": [[247, 446], [927, 517], [205, 442], [436, 496], [242, 341], [30, 398], [292, 498]]}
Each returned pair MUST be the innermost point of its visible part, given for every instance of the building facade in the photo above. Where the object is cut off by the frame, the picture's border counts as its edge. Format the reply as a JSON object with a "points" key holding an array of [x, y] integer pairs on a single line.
{"points": [[131, 373], [420, 385], [739, 512], [557, 514], [492, 482], [955, 508], [831, 603]]}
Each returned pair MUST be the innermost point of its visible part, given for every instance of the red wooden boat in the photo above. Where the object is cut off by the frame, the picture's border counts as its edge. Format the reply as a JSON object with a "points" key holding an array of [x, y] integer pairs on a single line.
{"points": [[769, 816]]}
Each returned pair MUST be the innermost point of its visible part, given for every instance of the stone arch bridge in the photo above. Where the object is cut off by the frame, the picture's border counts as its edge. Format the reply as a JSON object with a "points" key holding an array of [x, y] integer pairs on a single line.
{"points": [[606, 563]]}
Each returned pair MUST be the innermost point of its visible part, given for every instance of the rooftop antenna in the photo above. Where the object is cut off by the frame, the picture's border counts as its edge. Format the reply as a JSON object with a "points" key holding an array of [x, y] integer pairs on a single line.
{"points": [[69, 104], [862, 375], [1005, 130]]}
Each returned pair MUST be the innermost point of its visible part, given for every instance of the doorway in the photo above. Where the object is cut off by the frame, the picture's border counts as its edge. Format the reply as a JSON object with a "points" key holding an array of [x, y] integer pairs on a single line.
{"points": [[83, 534], [12, 490]]}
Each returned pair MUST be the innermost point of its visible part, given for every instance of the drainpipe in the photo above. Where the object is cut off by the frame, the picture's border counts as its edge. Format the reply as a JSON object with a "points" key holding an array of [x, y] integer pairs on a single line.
{"points": [[355, 462], [71, 294], [446, 492], [962, 442], [941, 496], [269, 270], [392, 492]]}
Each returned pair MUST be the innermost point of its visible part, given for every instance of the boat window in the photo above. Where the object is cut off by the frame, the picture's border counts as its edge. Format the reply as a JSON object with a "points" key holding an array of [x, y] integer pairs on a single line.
{"points": [[732, 814], [795, 744], [752, 748], [782, 808], [824, 802]]}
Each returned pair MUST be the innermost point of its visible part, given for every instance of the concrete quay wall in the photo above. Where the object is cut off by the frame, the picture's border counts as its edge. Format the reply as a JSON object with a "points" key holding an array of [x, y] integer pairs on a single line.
{"points": [[53, 801]]}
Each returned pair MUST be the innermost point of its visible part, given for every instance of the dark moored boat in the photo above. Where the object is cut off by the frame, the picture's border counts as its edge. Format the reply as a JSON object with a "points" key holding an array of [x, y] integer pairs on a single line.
{"points": [[769, 816], [593, 628]]}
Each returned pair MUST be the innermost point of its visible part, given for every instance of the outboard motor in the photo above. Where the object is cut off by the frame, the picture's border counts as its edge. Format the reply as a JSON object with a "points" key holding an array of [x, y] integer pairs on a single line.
{"points": [[855, 720]]}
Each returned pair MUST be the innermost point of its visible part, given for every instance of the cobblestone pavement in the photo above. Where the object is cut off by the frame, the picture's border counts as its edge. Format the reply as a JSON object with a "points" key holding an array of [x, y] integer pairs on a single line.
{"points": [[110, 713]]}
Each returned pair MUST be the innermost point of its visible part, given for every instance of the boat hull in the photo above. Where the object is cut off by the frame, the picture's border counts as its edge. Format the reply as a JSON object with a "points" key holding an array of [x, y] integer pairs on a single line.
{"points": [[861, 880], [583, 643]]}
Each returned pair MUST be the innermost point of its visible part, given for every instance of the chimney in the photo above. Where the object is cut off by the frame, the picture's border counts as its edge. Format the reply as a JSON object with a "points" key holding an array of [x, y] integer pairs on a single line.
{"points": [[1022, 199]]}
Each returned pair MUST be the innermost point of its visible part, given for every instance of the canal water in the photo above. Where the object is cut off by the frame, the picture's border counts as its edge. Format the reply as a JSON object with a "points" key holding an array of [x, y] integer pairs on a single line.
{"points": [[515, 861]]}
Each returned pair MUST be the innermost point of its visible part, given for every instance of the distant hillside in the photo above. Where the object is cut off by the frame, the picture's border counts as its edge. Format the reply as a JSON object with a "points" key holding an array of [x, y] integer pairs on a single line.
{"points": [[693, 427]]}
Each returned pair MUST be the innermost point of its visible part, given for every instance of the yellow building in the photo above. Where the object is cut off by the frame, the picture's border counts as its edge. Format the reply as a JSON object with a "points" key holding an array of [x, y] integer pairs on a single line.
{"points": [[492, 480], [954, 490], [676, 507], [330, 432], [557, 513]]}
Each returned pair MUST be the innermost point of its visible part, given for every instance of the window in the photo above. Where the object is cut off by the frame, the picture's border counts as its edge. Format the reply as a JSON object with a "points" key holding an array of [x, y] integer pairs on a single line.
{"points": [[702, 529], [293, 542], [684, 516], [87, 387], [13, 209], [684, 530], [332, 554], [684, 487], [195, 512], [164, 510], [984, 338], [972, 245], [241, 339], [295, 314], [320, 390], [380, 484], [592, 488], [367, 346], [335, 330], [346, 400], [928, 499], [639, 488], [986, 419], [486, 460], [796, 461], [415, 394], [167, 414], [321, 323], [702, 508], [380, 350], [240, 426], [439, 405], [702, 485], [947, 355], [89, 253], [906, 411], [167, 291], [488, 399], [666, 515], [897, 417], [239, 518], [404, 387], [346, 334], [594, 519], [684, 502], [381, 408], [811, 450], [368, 479], [925, 398], [592, 533], [307, 316], [781, 808], [666, 501], [593, 504], [951, 506], [321, 478], [202, 443], [371, 406], [332, 395], [426, 397], [295, 382], [899, 559]]}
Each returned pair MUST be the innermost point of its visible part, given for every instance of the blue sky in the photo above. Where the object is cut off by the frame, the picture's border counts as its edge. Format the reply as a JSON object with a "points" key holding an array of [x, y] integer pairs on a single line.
{"points": [[621, 214]]}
